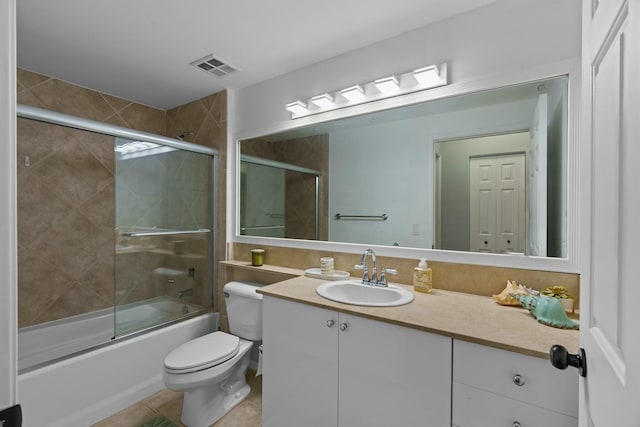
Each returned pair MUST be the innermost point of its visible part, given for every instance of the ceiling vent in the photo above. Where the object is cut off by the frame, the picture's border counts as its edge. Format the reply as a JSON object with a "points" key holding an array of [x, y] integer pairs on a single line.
{"points": [[213, 65]]}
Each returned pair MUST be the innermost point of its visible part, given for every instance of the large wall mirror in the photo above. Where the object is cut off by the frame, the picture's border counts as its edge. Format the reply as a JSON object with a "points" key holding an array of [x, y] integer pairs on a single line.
{"points": [[479, 172]]}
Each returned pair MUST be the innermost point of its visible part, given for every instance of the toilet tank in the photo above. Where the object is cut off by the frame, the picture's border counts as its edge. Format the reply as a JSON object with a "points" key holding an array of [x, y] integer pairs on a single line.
{"points": [[244, 309]]}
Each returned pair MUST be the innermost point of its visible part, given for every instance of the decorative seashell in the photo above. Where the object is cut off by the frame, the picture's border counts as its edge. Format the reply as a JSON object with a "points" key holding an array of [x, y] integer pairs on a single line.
{"points": [[529, 291], [505, 297], [548, 310]]}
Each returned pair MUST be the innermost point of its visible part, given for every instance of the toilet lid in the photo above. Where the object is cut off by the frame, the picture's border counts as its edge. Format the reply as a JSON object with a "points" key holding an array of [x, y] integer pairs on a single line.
{"points": [[202, 353]]}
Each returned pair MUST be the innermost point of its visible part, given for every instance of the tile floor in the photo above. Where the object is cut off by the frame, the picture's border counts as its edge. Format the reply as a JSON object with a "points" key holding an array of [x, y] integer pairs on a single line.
{"points": [[169, 404]]}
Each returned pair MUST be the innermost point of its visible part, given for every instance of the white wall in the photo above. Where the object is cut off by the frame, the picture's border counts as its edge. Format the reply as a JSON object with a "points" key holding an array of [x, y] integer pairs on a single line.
{"points": [[8, 227], [503, 37], [556, 173], [366, 165], [391, 165]]}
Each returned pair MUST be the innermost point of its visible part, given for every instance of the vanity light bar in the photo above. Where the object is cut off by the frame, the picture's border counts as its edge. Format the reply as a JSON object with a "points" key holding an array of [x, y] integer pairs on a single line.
{"points": [[324, 101], [354, 93], [387, 84], [399, 84], [427, 75], [297, 107]]}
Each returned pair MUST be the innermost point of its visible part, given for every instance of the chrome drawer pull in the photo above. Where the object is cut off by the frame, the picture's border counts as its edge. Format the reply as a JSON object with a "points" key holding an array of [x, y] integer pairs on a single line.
{"points": [[519, 381], [330, 323], [516, 424]]}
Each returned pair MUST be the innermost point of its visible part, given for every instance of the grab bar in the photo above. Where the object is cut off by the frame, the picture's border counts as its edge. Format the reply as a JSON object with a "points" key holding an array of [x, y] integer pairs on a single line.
{"points": [[262, 227], [382, 217], [163, 232]]}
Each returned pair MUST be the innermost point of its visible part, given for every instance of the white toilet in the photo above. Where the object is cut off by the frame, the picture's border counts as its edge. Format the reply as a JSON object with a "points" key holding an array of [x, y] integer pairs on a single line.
{"points": [[211, 370]]}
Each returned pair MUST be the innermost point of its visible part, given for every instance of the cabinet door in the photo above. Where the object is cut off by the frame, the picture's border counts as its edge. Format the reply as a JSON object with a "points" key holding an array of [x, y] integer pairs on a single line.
{"points": [[392, 376], [300, 365]]}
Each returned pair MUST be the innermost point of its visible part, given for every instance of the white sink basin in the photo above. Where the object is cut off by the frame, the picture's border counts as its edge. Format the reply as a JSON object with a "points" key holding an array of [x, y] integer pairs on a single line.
{"points": [[355, 293]]}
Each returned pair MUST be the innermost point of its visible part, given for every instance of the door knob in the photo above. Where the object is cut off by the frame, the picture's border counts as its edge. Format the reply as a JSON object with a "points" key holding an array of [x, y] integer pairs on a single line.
{"points": [[343, 326], [561, 358], [330, 323]]}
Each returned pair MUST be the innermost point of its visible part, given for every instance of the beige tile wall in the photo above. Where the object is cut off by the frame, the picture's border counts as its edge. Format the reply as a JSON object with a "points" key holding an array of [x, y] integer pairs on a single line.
{"points": [[309, 152], [65, 196], [135, 269], [473, 279], [204, 122], [65, 224]]}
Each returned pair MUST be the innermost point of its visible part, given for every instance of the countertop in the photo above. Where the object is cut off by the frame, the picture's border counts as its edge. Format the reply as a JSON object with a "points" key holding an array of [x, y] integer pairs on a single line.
{"points": [[462, 316]]}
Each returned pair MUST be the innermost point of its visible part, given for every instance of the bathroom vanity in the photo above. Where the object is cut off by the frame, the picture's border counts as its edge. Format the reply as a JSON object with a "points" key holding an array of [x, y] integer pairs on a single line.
{"points": [[326, 367], [444, 359]]}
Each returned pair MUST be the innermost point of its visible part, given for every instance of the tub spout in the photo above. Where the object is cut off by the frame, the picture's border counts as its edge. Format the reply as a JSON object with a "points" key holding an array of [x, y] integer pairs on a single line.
{"points": [[185, 293]]}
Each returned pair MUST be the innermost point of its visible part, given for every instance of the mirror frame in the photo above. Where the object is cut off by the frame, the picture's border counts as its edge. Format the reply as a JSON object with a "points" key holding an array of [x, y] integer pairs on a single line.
{"points": [[576, 175]]}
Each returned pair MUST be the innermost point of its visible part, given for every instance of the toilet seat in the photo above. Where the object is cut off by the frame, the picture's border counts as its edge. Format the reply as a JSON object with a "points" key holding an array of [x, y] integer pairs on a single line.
{"points": [[202, 353]]}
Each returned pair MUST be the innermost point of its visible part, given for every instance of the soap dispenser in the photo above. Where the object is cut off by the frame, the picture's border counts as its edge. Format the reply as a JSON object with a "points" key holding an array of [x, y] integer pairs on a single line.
{"points": [[422, 277]]}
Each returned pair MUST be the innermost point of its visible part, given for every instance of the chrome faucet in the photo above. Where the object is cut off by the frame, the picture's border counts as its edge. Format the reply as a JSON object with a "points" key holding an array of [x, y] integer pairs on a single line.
{"points": [[363, 266], [373, 280]]}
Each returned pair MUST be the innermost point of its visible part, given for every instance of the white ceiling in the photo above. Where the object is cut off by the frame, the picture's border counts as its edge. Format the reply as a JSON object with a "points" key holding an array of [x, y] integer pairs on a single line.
{"points": [[141, 49]]}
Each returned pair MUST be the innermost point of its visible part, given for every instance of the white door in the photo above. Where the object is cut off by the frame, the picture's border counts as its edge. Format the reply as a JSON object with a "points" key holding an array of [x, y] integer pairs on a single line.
{"points": [[497, 203], [610, 393], [482, 204], [510, 206], [538, 180]]}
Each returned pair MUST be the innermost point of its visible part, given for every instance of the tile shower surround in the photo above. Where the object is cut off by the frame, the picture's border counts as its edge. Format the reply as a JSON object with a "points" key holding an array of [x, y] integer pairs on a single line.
{"points": [[310, 152], [65, 200]]}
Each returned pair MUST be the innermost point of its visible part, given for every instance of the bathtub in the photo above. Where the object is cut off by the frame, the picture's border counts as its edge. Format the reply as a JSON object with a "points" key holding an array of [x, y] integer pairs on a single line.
{"points": [[82, 388]]}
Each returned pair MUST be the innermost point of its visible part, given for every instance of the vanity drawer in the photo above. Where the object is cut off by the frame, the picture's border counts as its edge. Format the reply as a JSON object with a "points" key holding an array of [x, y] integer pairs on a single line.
{"points": [[480, 408], [516, 376]]}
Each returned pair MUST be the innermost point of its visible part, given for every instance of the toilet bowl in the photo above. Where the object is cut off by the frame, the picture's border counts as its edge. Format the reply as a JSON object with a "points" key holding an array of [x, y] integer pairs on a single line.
{"points": [[211, 370]]}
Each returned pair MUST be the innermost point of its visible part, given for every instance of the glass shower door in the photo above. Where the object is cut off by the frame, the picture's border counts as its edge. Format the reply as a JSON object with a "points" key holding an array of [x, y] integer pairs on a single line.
{"points": [[108, 228], [278, 200], [163, 235], [262, 200]]}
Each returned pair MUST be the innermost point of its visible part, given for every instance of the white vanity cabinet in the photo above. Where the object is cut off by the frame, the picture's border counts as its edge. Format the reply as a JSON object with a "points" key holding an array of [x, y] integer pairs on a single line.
{"points": [[495, 388], [324, 368], [299, 365]]}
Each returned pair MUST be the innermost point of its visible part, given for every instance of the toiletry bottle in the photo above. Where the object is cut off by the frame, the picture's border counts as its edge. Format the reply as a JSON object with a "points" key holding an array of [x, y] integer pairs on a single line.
{"points": [[422, 277]]}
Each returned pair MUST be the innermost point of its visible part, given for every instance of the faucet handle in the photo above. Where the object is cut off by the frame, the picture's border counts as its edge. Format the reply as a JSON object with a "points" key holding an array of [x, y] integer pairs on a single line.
{"points": [[383, 275]]}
